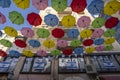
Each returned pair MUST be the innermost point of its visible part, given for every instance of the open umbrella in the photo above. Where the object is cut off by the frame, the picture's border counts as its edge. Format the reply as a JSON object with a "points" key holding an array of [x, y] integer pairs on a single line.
{"points": [[55, 52], [100, 48], [97, 33], [51, 20], [78, 5], [27, 53], [27, 32], [34, 19], [111, 22], [90, 49], [41, 53], [67, 51], [23, 4], [42, 33], [59, 5], [1, 33], [96, 7], [3, 53], [84, 21], [2, 18], [109, 33], [62, 43], [58, 33], [75, 43], [98, 22], [109, 40], [10, 31], [108, 47], [20, 43], [14, 53], [86, 33], [68, 21], [5, 43], [88, 42], [49, 43], [40, 4], [73, 33], [34, 43], [112, 7], [79, 51], [5, 3], [16, 17], [99, 41]]}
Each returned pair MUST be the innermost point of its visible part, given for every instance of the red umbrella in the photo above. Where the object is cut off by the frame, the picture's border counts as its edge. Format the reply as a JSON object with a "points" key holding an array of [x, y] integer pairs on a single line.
{"points": [[88, 42], [67, 51], [34, 19], [58, 33], [78, 5], [20, 43], [3, 53], [111, 22]]}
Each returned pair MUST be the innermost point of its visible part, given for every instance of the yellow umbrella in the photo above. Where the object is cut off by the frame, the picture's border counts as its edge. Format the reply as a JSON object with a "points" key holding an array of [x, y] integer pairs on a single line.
{"points": [[86, 33], [68, 21], [109, 40], [112, 7], [49, 43], [22, 3], [90, 49], [11, 31], [28, 53]]}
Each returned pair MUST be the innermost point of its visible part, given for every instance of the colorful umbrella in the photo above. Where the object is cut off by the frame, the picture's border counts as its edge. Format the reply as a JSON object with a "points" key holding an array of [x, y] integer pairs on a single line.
{"points": [[78, 5], [16, 17], [23, 4], [59, 5], [110, 33], [34, 19], [75, 43], [109, 40], [49, 43], [2, 18], [51, 20], [88, 42], [41, 53], [97, 33], [10, 31], [86, 33], [20, 43], [108, 47], [55, 52], [73, 33], [3, 53], [34, 43], [79, 51], [96, 7], [28, 53], [58, 33], [100, 48], [67, 51], [68, 21], [1, 33], [111, 22], [84, 21], [90, 49], [40, 4], [5, 43], [5, 3], [42, 33], [62, 43], [98, 22], [14, 53], [112, 7], [99, 41]]}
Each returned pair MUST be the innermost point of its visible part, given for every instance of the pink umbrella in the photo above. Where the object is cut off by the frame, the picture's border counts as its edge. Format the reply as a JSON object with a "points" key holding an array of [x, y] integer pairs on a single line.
{"points": [[41, 53], [98, 33], [40, 4], [27, 32], [83, 21], [62, 43], [100, 48], [2, 18]]}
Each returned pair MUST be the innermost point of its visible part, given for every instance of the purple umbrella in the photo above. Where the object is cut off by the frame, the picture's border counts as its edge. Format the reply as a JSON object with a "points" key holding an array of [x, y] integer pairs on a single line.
{"points": [[2, 18], [100, 48], [98, 33], [62, 43], [41, 53]]}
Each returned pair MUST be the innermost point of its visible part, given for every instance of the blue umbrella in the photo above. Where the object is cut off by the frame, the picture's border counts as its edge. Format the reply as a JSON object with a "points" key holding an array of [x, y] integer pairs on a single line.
{"points": [[34, 43], [51, 20], [1, 33], [117, 27], [99, 41], [78, 51], [73, 33], [96, 7], [14, 53], [5, 3]]}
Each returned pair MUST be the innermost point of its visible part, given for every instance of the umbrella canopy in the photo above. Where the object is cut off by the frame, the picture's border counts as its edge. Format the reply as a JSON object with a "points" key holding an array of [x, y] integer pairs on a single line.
{"points": [[10, 31], [98, 22], [79, 51], [99, 41], [40, 4], [28, 53], [1, 33], [67, 51], [86, 33], [5, 43], [51, 20], [75, 43], [62, 43], [97, 33], [110, 33], [108, 47], [34, 43], [58, 33], [78, 5], [59, 5], [2, 18], [96, 7], [42, 33], [34, 19], [100, 48], [20, 43], [112, 7], [73, 33], [88, 42], [84, 21], [109, 40], [90, 49], [55, 52], [49, 43], [14, 53], [111, 22], [3, 53], [16, 17], [68, 21], [23, 4], [27, 32], [41, 53], [5, 3]]}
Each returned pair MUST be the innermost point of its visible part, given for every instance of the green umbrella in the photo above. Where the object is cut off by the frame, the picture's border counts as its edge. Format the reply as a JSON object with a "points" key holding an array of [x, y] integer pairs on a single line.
{"points": [[75, 43], [5, 43], [42, 33], [59, 5], [109, 33], [98, 22], [16, 17], [109, 47], [55, 52]]}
